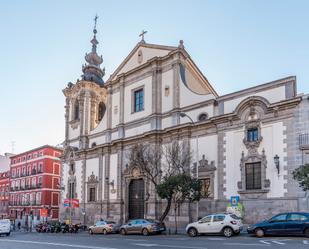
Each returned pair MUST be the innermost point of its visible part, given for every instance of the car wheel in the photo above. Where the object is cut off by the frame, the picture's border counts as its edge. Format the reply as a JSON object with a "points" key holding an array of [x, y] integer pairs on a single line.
{"points": [[192, 232], [104, 231], [228, 232], [259, 232], [307, 232], [145, 232], [122, 231], [90, 232]]}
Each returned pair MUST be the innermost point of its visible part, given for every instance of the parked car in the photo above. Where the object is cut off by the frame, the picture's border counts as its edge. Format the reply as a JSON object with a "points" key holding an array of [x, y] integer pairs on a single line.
{"points": [[293, 223], [226, 224], [104, 227], [5, 227], [142, 226]]}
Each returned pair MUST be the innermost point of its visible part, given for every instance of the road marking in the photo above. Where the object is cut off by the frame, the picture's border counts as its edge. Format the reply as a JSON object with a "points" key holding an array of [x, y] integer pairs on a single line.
{"points": [[216, 239], [277, 242], [243, 244], [136, 239], [264, 242], [55, 244], [306, 242], [169, 246]]}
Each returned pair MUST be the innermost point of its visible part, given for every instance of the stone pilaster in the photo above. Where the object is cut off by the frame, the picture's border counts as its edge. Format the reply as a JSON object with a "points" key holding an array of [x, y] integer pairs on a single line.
{"points": [[121, 109], [156, 97], [106, 180], [100, 197], [67, 115], [221, 181], [119, 181], [109, 113], [176, 93]]}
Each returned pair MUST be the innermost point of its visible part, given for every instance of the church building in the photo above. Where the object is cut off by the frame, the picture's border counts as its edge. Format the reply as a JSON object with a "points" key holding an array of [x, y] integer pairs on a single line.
{"points": [[245, 143]]}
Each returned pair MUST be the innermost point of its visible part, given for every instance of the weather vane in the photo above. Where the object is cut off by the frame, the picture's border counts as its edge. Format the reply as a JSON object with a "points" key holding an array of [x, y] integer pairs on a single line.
{"points": [[142, 34], [95, 22]]}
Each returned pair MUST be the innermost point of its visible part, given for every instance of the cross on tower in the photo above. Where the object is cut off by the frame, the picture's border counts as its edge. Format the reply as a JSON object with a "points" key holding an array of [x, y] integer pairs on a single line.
{"points": [[142, 34], [95, 21]]}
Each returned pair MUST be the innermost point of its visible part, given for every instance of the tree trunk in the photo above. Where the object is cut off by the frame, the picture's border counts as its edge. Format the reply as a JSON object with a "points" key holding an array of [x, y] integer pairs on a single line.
{"points": [[175, 217], [167, 209]]}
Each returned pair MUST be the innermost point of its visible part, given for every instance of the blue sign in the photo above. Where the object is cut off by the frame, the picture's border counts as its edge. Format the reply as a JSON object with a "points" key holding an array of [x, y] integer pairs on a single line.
{"points": [[234, 201]]}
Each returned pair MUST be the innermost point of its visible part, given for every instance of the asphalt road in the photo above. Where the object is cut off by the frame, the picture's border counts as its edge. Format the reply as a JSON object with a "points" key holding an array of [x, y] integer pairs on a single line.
{"points": [[20, 240]]}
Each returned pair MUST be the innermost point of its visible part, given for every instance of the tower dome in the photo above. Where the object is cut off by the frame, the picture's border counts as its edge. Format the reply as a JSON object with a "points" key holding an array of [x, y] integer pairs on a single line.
{"points": [[91, 69]]}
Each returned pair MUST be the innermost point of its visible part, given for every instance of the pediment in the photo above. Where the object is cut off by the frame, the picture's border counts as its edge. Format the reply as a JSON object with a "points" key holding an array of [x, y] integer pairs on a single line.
{"points": [[142, 53]]}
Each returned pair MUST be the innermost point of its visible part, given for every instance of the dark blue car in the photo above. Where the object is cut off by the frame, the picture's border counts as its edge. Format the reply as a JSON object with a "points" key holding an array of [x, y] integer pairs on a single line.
{"points": [[294, 223]]}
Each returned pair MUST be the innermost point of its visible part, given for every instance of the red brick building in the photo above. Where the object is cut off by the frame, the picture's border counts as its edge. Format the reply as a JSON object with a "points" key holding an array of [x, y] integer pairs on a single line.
{"points": [[35, 183], [4, 194]]}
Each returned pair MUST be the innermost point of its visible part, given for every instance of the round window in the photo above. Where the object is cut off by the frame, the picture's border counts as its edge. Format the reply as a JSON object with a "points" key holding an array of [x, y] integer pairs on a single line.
{"points": [[202, 117]]}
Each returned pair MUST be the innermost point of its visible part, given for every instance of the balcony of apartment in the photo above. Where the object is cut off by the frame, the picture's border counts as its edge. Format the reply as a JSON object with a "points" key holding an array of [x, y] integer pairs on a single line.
{"points": [[303, 141]]}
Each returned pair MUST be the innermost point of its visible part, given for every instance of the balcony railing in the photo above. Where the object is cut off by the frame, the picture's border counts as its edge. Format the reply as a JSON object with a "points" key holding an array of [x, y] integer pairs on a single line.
{"points": [[303, 141]]}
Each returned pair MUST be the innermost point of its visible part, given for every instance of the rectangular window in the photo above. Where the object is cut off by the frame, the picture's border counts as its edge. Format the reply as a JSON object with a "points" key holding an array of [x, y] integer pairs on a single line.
{"points": [[205, 187], [92, 194], [253, 176], [71, 190], [139, 100], [252, 135]]}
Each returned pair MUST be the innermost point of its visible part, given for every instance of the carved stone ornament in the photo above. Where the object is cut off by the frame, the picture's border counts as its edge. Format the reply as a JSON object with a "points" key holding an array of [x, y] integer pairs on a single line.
{"points": [[206, 170], [140, 57], [74, 123], [92, 178], [252, 146], [253, 158], [204, 166]]}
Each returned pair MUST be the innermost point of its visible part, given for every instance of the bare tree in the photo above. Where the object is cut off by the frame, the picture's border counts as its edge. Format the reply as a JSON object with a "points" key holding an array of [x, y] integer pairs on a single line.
{"points": [[162, 164]]}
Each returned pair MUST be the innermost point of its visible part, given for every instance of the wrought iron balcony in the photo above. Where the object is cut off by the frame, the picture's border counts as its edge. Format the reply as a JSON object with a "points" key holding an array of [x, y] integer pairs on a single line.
{"points": [[303, 141]]}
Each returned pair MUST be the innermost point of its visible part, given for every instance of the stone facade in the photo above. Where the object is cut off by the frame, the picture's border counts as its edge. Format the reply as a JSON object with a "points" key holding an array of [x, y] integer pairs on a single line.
{"points": [[179, 102]]}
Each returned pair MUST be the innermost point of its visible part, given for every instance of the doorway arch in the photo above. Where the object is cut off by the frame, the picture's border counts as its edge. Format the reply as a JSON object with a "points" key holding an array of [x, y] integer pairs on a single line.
{"points": [[136, 199]]}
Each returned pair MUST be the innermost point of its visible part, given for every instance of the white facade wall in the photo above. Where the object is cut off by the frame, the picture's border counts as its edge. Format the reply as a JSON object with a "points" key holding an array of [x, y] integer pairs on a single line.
{"points": [[147, 54], [167, 82], [272, 95], [194, 114], [188, 97], [115, 109], [98, 140], [272, 143], [166, 122], [129, 115], [113, 172], [234, 146], [138, 130], [208, 146]]}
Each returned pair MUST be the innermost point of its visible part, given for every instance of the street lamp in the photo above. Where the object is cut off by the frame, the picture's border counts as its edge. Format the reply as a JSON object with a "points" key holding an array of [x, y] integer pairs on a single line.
{"points": [[182, 114], [277, 163]]}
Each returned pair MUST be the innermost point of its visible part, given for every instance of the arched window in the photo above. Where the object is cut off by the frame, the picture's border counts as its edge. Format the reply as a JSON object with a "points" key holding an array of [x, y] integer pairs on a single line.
{"points": [[76, 110], [101, 111]]}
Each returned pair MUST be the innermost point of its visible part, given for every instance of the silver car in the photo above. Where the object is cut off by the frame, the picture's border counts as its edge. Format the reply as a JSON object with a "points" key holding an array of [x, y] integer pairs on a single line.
{"points": [[104, 227]]}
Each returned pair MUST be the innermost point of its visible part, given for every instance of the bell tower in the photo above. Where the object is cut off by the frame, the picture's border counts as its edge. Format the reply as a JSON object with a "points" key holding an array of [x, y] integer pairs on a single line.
{"points": [[86, 99]]}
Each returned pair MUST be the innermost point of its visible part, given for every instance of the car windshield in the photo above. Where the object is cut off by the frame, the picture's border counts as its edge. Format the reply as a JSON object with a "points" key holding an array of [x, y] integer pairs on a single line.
{"points": [[235, 217], [152, 221]]}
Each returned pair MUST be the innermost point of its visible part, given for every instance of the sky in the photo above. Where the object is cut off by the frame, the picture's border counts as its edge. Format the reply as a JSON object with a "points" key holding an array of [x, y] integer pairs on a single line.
{"points": [[236, 44]]}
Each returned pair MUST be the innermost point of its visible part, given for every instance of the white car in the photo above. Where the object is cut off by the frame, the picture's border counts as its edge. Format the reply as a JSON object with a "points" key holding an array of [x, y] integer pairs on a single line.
{"points": [[5, 227], [226, 224]]}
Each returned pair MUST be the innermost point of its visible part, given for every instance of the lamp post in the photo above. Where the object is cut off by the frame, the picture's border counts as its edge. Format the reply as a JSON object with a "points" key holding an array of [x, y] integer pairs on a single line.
{"points": [[277, 163], [182, 114]]}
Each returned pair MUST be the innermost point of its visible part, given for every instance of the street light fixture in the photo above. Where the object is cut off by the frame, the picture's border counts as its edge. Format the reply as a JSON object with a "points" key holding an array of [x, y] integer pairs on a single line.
{"points": [[182, 114], [277, 163]]}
